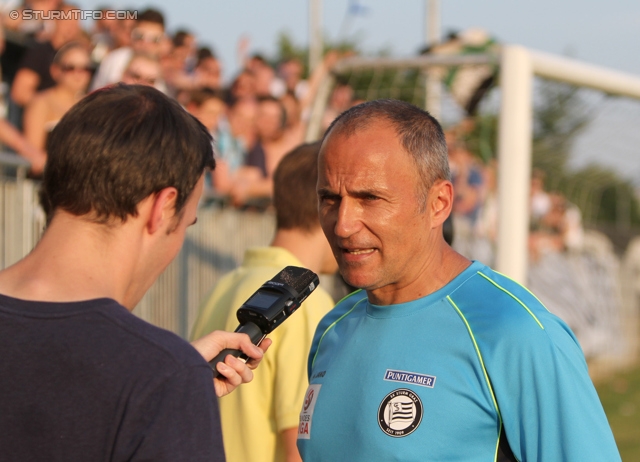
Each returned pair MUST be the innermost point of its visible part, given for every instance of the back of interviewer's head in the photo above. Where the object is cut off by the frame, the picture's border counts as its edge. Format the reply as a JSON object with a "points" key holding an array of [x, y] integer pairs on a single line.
{"points": [[116, 147], [294, 189]]}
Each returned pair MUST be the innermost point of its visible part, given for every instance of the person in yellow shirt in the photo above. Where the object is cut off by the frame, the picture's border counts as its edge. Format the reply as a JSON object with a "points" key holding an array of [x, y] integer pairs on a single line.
{"points": [[260, 420]]}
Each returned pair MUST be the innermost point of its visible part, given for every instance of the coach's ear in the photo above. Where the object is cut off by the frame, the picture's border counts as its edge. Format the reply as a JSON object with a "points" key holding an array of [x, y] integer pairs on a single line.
{"points": [[163, 208], [441, 200]]}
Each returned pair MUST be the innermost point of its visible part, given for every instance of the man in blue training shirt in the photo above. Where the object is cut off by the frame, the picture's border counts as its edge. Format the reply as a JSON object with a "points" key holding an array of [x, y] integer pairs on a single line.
{"points": [[437, 357]]}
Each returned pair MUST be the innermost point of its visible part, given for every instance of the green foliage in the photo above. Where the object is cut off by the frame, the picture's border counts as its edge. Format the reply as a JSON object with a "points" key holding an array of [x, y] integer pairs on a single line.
{"points": [[349, 45], [559, 116], [368, 84], [482, 140], [287, 49], [406, 85]]}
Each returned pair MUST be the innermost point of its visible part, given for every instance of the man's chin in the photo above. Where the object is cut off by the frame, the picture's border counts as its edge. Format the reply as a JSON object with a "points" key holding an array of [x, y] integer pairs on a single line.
{"points": [[355, 279]]}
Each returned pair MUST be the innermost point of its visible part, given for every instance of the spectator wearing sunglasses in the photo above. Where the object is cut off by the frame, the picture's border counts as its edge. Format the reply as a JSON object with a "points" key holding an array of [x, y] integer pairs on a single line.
{"points": [[71, 71], [143, 70], [146, 38]]}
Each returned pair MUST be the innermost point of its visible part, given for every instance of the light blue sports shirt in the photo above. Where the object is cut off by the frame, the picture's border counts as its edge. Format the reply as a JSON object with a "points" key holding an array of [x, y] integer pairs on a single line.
{"points": [[445, 376]]}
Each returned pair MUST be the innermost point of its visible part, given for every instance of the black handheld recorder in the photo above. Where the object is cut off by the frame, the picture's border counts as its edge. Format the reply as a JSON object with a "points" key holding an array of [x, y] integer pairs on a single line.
{"points": [[269, 306]]}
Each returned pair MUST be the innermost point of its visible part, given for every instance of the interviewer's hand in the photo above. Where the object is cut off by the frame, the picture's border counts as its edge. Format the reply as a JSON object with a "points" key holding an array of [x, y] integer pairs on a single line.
{"points": [[235, 372]]}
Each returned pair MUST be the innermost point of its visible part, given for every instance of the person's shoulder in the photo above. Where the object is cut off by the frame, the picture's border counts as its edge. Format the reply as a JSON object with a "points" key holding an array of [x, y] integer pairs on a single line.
{"points": [[234, 288], [343, 308], [487, 290], [42, 100], [118, 54], [351, 299], [499, 310], [260, 264], [42, 47], [39, 54], [153, 345], [243, 280], [321, 297], [115, 59], [308, 316]]}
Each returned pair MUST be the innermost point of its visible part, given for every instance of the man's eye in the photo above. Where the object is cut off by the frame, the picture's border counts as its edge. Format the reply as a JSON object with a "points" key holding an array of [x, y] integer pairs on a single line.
{"points": [[328, 199]]}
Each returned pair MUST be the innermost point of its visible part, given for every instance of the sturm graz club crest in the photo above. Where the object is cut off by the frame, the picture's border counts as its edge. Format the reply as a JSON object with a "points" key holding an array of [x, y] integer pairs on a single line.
{"points": [[400, 413]]}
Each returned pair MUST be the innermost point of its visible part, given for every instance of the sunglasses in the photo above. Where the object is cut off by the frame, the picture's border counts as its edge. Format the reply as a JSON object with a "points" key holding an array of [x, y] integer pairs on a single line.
{"points": [[73, 68], [141, 37], [141, 78]]}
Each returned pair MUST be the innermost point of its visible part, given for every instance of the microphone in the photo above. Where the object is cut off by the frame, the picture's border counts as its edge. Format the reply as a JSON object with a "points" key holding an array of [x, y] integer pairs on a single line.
{"points": [[269, 306]]}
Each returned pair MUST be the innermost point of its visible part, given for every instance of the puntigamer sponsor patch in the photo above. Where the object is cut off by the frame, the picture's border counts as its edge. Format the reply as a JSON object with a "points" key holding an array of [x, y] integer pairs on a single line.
{"points": [[410, 377]]}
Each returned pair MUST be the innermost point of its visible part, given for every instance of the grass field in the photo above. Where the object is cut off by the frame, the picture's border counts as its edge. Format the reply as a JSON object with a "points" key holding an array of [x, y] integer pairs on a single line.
{"points": [[620, 396]]}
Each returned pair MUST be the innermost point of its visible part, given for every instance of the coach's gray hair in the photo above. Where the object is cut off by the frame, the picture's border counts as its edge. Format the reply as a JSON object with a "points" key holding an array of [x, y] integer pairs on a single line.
{"points": [[419, 133]]}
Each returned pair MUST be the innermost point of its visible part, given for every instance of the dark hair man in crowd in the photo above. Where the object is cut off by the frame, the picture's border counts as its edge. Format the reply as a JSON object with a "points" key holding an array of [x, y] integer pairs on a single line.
{"points": [[83, 378], [260, 420], [437, 357]]}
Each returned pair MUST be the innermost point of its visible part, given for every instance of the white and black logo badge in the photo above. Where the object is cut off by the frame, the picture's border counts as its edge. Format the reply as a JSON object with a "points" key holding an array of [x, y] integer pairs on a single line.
{"points": [[400, 413]]}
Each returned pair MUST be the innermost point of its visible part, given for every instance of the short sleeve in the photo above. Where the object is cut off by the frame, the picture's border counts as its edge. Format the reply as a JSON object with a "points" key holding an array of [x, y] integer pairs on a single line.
{"points": [[547, 399]]}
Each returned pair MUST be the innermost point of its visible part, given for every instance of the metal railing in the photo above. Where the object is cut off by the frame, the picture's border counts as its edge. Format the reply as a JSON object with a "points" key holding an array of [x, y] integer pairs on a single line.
{"points": [[21, 219]]}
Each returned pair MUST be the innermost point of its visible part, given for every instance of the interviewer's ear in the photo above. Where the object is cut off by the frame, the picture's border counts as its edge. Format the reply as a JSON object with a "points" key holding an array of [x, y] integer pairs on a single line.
{"points": [[163, 209], [440, 201]]}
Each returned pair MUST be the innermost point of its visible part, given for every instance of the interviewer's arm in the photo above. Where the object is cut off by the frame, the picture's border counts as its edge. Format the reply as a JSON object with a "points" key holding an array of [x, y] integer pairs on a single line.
{"points": [[235, 371]]}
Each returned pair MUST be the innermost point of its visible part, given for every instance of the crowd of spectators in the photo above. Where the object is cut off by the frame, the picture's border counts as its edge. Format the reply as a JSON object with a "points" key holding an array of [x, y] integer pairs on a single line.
{"points": [[255, 117], [555, 223]]}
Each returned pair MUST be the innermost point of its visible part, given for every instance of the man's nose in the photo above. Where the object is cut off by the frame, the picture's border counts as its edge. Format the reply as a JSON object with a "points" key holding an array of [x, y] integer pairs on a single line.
{"points": [[348, 221]]}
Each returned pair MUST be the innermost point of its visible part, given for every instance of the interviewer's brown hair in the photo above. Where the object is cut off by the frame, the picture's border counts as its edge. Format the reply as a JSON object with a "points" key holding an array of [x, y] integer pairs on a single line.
{"points": [[116, 147]]}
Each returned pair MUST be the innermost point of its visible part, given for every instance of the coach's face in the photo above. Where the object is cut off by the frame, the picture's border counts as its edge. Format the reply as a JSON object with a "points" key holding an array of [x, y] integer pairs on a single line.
{"points": [[370, 211]]}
